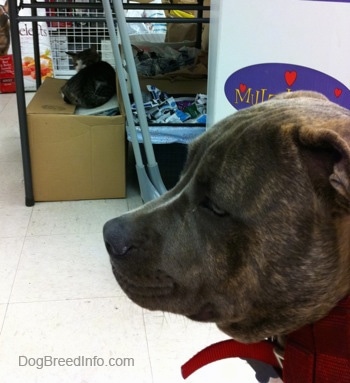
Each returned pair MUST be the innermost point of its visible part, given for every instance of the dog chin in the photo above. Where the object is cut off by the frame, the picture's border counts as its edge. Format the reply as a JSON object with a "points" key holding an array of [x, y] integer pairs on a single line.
{"points": [[242, 335]]}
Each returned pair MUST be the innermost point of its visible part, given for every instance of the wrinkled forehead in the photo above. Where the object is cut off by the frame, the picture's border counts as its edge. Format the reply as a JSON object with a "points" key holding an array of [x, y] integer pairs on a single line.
{"points": [[235, 156], [235, 133], [255, 141], [284, 114]]}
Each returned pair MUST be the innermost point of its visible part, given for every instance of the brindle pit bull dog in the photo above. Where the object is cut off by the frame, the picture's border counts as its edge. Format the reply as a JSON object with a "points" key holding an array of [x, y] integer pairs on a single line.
{"points": [[256, 234]]}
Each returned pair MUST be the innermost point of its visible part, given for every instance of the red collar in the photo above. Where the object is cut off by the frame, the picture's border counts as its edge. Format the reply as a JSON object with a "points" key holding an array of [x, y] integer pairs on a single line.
{"points": [[316, 353]]}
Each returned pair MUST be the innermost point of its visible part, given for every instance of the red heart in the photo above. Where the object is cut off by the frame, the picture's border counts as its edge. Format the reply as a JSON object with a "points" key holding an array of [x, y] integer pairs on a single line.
{"points": [[338, 92], [290, 77], [242, 87]]}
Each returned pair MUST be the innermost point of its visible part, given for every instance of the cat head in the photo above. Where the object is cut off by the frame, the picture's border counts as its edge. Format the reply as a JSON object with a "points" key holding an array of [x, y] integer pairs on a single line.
{"points": [[84, 58]]}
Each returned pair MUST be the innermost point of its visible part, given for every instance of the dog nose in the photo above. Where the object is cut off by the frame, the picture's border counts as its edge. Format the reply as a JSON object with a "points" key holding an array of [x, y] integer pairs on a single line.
{"points": [[115, 239]]}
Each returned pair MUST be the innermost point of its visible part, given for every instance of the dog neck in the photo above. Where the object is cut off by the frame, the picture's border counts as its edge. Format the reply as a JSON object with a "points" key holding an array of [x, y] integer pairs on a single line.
{"points": [[309, 349], [343, 235]]}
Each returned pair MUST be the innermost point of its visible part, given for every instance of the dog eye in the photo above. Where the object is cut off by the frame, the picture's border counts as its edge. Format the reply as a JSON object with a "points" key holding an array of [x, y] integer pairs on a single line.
{"points": [[211, 206]]}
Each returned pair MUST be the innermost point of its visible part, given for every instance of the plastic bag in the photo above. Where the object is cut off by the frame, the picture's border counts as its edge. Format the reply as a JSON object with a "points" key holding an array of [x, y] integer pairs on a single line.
{"points": [[160, 60]]}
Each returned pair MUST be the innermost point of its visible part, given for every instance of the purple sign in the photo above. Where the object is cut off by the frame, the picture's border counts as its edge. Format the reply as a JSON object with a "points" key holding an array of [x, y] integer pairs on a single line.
{"points": [[333, 1], [260, 82]]}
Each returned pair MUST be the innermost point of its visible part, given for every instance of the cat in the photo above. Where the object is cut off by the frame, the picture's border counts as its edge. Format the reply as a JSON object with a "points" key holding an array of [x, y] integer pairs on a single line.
{"points": [[4, 30], [93, 84]]}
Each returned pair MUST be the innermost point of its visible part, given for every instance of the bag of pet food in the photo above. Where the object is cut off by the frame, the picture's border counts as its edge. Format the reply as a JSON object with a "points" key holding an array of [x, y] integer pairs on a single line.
{"points": [[7, 75]]}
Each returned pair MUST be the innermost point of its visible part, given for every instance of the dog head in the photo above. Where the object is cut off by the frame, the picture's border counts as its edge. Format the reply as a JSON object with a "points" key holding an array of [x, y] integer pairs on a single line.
{"points": [[256, 235]]}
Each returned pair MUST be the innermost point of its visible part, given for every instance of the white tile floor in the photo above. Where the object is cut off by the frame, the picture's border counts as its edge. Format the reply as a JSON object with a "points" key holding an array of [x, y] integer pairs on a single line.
{"points": [[59, 299]]}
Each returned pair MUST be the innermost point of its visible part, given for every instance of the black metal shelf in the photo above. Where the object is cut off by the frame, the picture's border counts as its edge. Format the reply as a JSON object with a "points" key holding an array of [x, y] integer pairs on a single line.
{"points": [[34, 18]]}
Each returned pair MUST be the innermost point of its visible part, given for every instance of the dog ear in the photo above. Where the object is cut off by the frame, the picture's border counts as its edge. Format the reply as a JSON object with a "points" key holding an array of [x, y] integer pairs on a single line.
{"points": [[326, 154]]}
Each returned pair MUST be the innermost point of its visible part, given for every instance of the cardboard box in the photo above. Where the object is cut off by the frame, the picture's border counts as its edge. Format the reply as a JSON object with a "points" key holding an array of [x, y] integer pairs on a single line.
{"points": [[73, 157], [188, 31]]}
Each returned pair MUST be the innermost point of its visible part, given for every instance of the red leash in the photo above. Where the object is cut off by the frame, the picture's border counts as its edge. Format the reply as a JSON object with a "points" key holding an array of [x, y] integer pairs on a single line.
{"points": [[317, 353], [262, 351]]}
